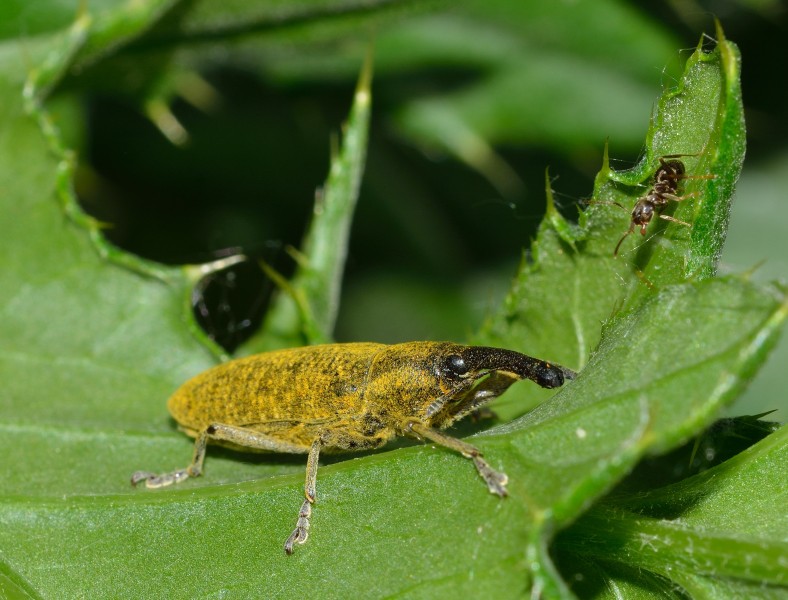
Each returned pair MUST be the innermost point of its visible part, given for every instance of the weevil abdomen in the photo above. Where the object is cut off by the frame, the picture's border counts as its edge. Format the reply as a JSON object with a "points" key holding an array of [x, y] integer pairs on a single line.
{"points": [[313, 383]]}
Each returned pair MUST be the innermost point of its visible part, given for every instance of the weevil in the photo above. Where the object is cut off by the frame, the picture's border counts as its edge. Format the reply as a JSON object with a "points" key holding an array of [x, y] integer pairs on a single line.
{"points": [[344, 398]]}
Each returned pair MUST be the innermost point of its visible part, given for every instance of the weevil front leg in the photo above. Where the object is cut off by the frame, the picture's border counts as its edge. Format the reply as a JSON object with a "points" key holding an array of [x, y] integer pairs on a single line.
{"points": [[496, 482], [239, 436], [301, 531]]}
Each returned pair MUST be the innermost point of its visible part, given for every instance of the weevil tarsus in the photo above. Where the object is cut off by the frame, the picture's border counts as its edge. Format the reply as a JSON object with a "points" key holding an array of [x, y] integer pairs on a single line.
{"points": [[237, 436], [496, 482], [154, 480], [301, 531]]}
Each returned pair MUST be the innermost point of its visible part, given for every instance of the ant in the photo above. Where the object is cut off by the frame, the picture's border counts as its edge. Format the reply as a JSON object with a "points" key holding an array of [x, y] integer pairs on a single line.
{"points": [[665, 189]]}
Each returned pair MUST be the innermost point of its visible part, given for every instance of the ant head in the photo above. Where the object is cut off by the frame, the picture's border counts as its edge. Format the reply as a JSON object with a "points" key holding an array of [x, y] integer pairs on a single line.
{"points": [[643, 213], [641, 217]]}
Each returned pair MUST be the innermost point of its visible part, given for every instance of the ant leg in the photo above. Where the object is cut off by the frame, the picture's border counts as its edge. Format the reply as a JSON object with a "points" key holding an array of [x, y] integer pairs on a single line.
{"points": [[606, 203], [623, 237], [674, 220], [679, 155], [675, 198], [707, 176]]}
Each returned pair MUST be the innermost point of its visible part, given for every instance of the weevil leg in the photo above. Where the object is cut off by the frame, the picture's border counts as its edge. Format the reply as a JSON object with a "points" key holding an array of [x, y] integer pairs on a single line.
{"points": [[496, 481], [239, 436], [152, 480], [301, 531], [473, 403]]}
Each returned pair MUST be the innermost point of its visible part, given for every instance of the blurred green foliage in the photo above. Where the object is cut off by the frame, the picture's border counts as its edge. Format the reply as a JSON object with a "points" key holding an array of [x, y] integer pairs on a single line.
{"points": [[472, 103]]}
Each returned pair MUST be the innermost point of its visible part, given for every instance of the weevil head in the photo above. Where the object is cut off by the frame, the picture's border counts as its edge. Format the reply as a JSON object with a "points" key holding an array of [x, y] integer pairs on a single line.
{"points": [[410, 376], [479, 361], [486, 373], [441, 382]]}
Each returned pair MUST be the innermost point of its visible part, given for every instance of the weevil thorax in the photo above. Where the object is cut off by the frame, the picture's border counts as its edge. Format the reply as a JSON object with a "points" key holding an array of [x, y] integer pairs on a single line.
{"points": [[404, 380]]}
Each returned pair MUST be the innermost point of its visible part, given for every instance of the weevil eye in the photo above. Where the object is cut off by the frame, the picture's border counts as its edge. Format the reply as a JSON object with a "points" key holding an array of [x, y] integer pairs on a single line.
{"points": [[454, 365]]}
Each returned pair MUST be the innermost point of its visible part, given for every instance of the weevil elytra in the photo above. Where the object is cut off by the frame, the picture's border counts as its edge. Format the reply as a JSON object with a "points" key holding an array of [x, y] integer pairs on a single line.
{"points": [[344, 398]]}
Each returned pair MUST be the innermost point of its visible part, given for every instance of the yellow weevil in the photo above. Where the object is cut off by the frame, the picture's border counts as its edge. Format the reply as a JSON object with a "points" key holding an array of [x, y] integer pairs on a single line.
{"points": [[345, 398]]}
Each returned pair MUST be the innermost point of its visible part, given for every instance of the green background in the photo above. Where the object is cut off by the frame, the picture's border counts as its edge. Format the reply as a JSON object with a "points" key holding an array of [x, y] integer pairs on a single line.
{"points": [[542, 86]]}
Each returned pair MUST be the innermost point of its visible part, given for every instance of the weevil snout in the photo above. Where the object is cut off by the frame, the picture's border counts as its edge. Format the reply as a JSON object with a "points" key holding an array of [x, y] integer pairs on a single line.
{"points": [[553, 376], [478, 358], [550, 377]]}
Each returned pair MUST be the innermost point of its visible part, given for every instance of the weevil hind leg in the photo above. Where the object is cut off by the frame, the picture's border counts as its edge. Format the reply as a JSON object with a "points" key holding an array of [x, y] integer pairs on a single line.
{"points": [[495, 480], [301, 531], [153, 480], [238, 436]]}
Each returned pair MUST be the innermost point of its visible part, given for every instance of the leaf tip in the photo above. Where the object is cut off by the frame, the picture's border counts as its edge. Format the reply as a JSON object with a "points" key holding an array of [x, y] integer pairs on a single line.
{"points": [[606, 156], [196, 272], [363, 95], [729, 54], [565, 230], [548, 190], [718, 32], [83, 19]]}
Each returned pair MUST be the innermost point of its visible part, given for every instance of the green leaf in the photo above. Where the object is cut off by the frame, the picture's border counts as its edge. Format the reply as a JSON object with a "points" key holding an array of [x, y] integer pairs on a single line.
{"points": [[66, 310], [94, 340], [553, 302], [368, 506], [716, 534], [553, 309], [681, 387]]}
